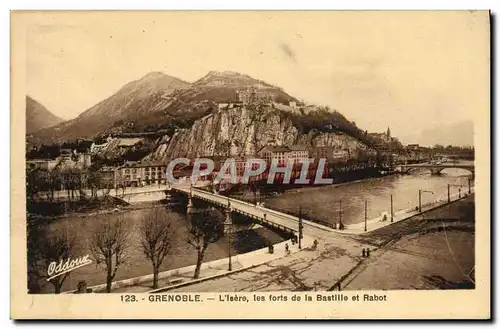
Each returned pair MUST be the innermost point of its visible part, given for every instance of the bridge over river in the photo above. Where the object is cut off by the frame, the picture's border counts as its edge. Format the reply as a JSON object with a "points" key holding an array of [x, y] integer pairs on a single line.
{"points": [[257, 213], [436, 169]]}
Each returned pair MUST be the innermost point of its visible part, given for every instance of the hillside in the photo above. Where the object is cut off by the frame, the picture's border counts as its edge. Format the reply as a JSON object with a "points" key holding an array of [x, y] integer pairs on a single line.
{"points": [[139, 98], [221, 113], [158, 101], [243, 131], [38, 117]]}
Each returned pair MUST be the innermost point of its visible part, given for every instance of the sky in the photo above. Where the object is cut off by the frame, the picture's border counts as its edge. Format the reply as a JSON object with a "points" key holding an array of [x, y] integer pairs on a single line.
{"points": [[411, 71]]}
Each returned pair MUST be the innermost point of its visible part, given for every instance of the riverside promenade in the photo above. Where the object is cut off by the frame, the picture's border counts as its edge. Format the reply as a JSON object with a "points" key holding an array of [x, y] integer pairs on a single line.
{"points": [[338, 263], [323, 268], [179, 277], [379, 222]]}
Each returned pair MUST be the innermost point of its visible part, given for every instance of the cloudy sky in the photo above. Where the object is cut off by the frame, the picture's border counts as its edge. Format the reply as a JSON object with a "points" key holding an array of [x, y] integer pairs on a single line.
{"points": [[411, 71]]}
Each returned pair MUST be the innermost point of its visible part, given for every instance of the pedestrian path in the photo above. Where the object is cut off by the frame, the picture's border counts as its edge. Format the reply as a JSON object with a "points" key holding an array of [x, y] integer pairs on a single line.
{"points": [[379, 222], [182, 276]]}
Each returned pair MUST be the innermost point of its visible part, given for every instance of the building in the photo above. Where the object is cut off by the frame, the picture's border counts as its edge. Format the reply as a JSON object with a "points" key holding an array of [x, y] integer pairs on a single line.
{"points": [[142, 173], [321, 152], [298, 153], [270, 153], [331, 153], [42, 164], [107, 177]]}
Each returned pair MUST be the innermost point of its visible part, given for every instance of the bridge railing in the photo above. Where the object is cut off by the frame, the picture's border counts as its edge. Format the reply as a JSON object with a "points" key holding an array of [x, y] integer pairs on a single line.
{"points": [[223, 201]]}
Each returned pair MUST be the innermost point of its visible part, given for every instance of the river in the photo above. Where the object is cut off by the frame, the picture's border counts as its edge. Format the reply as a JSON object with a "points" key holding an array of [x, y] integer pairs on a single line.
{"points": [[323, 203], [182, 254]]}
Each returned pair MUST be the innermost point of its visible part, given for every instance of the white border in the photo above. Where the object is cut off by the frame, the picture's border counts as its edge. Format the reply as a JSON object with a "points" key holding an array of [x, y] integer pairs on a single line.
{"points": [[191, 4]]}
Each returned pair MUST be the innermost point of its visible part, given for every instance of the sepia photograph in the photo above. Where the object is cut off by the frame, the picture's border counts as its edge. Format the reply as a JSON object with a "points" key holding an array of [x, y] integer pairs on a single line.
{"points": [[332, 159]]}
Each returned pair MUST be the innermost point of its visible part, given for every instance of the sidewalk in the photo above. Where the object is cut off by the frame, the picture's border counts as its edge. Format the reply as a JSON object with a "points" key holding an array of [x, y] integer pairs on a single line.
{"points": [[376, 223], [217, 268]]}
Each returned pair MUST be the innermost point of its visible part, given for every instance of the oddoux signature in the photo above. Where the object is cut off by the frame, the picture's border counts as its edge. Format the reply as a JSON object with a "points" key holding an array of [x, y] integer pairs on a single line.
{"points": [[56, 269]]}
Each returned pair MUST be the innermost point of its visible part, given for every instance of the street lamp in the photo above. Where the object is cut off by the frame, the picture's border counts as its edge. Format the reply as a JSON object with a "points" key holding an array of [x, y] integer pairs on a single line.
{"points": [[341, 225], [366, 216], [392, 210], [301, 227], [453, 185], [229, 225], [420, 198]]}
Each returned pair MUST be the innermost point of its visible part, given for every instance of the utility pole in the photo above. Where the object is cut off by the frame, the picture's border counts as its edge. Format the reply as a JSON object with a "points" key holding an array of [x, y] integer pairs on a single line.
{"points": [[419, 200], [449, 198], [301, 227], [392, 211], [366, 206], [229, 223], [469, 184], [341, 226]]}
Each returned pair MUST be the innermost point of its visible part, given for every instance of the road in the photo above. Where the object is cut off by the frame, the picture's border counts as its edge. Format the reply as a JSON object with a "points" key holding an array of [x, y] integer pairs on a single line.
{"points": [[279, 219]]}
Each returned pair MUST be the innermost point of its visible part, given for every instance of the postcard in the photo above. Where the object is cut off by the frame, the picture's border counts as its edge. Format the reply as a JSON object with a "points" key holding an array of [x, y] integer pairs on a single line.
{"points": [[250, 165]]}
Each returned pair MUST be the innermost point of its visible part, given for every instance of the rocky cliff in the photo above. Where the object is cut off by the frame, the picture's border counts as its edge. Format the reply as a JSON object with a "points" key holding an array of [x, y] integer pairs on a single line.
{"points": [[243, 131]]}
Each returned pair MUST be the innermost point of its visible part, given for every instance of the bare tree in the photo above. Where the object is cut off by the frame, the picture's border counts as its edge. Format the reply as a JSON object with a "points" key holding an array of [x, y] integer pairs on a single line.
{"points": [[203, 230], [45, 247], [109, 246], [156, 239]]}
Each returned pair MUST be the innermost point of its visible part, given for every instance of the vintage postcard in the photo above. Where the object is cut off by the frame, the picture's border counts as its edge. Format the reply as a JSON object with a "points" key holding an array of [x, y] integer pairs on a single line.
{"points": [[250, 164]]}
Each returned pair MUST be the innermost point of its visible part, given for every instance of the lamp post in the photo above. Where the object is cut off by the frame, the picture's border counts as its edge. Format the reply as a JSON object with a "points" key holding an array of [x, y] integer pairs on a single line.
{"points": [[341, 226], [300, 227], [453, 185], [366, 216], [229, 225], [420, 198], [392, 211]]}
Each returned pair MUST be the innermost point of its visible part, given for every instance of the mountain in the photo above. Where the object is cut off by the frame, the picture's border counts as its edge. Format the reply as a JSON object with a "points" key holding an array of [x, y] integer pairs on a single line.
{"points": [[158, 101], [225, 86], [38, 117], [137, 99], [222, 113], [242, 131]]}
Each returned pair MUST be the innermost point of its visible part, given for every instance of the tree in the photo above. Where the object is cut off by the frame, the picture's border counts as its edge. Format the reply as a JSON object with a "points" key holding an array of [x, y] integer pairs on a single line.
{"points": [[45, 247], [203, 229], [109, 246], [156, 239], [93, 180]]}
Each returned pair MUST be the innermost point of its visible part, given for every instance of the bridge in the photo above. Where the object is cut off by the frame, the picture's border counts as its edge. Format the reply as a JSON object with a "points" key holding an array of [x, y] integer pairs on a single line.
{"points": [[436, 169], [259, 214]]}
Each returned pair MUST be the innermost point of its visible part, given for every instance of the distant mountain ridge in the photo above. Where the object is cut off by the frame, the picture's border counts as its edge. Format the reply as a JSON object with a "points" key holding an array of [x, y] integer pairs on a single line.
{"points": [[135, 99], [157, 101], [38, 117]]}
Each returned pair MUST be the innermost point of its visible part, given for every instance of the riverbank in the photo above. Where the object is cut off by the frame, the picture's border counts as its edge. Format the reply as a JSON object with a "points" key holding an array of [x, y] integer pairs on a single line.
{"points": [[282, 189], [176, 278], [338, 262], [352, 202], [59, 209], [401, 215], [181, 255], [433, 250]]}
